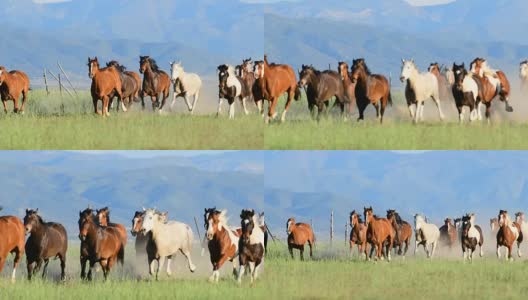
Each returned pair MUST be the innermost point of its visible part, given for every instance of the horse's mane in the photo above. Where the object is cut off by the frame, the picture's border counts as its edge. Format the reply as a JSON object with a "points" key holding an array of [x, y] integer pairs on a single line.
{"points": [[361, 61], [117, 65], [35, 212], [398, 218], [525, 62], [311, 68], [153, 65]]}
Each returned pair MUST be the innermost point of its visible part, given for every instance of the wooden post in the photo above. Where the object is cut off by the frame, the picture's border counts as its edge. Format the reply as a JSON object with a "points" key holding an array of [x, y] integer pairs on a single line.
{"points": [[46, 82], [197, 228], [331, 227], [346, 232], [68, 79], [60, 84]]}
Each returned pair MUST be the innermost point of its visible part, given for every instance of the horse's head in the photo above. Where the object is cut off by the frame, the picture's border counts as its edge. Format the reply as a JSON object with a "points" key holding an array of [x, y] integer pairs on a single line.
{"points": [[418, 221], [447, 221], [368, 213], [144, 63], [289, 225], [305, 75], [214, 221], [494, 223], [86, 219], [3, 74], [342, 69], [460, 72], [93, 66], [31, 220], [176, 71], [247, 222], [358, 67], [103, 216], [476, 65], [137, 220], [391, 214], [223, 74], [519, 217], [503, 218], [407, 70], [523, 69], [150, 220], [434, 68], [84, 215], [258, 69], [247, 66], [466, 224]]}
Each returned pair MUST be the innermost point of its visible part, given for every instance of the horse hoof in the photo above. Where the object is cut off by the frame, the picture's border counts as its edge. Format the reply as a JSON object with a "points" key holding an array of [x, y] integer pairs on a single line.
{"points": [[509, 109]]}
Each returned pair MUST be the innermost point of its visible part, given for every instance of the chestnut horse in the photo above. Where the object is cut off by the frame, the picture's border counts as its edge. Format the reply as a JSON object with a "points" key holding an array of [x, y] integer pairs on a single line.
{"points": [[251, 245], [358, 234], [403, 231], [103, 219], [507, 235], [495, 83], [12, 240], [156, 82], [98, 245], [12, 84], [130, 84], [106, 83], [350, 87], [370, 89], [298, 235], [379, 233], [448, 233], [275, 80], [470, 237]]}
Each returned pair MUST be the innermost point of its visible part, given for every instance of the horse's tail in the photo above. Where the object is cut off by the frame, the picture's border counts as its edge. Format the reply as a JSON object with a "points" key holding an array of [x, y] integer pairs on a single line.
{"points": [[390, 98], [190, 237], [297, 96], [121, 255]]}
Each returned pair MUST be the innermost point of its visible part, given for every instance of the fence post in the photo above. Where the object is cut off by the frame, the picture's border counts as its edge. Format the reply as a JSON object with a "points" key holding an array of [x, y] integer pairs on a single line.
{"points": [[60, 84], [331, 227], [46, 82], [346, 232]]}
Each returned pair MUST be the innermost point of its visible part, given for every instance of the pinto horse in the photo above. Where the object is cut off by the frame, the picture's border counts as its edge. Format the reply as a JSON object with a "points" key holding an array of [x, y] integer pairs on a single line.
{"points": [[425, 234], [495, 82], [12, 84], [230, 87], [467, 90], [298, 235], [106, 83], [130, 84], [379, 234], [144, 245], [348, 85], [12, 239], [321, 87], [471, 236], [507, 235], [156, 82], [47, 240], [358, 234], [250, 245], [448, 233], [275, 80], [403, 231], [103, 218], [102, 245], [370, 89]]}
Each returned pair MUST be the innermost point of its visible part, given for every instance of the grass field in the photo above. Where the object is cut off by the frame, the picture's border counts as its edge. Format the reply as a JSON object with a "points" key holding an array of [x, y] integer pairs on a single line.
{"points": [[55, 122], [328, 276]]}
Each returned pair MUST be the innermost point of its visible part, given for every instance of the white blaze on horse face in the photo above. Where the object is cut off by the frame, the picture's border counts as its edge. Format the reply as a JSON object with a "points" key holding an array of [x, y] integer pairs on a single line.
{"points": [[288, 225], [406, 72]]}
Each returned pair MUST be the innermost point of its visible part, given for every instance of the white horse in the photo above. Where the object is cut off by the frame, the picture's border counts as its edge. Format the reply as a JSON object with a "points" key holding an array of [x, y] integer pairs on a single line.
{"points": [[424, 85], [185, 85], [426, 234], [169, 238], [523, 74]]}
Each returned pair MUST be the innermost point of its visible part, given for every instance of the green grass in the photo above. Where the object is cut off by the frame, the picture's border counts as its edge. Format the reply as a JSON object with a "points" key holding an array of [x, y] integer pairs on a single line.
{"points": [[328, 276], [55, 122]]}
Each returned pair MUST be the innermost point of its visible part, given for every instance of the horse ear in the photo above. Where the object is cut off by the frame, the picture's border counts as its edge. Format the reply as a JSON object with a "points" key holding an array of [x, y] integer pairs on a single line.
{"points": [[144, 209], [403, 60], [36, 210], [27, 210]]}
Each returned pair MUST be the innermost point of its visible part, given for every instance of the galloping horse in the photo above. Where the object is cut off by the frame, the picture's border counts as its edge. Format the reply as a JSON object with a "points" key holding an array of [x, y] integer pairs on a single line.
{"points": [[444, 86], [379, 233], [106, 83], [471, 236], [144, 245], [169, 238], [230, 87], [507, 235], [467, 91], [494, 225], [155, 82], [275, 80], [251, 245], [523, 75], [12, 84], [100, 244], [358, 234], [370, 89], [248, 78], [258, 94], [348, 85], [403, 231], [130, 84], [448, 233], [426, 234], [495, 79], [222, 241], [423, 85], [46, 240], [321, 87], [12, 239], [103, 219], [522, 225], [185, 85], [298, 235]]}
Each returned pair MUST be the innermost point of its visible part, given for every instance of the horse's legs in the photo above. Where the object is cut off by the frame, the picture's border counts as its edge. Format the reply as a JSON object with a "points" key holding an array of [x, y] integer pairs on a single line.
{"points": [[195, 100], [45, 269], [83, 267], [434, 248], [161, 261], [412, 110], [24, 98], [417, 116], [105, 106], [301, 250], [30, 266], [260, 107], [320, 107], [415, 246], [377, 107], [220, 101], [169, 259], [18, 255], [15, 101], [244, 106], [310, 244], [252, 271], [151, 265], [488, 111], [382, 108], [187, 255], [291, 94], [242, 268], [519, 254], [436, 100], [232, 110], [154, 100], [291, 250], [460, 114], [361, 105], [62, 258], [498, 251], [271, 109], [91, 269]]}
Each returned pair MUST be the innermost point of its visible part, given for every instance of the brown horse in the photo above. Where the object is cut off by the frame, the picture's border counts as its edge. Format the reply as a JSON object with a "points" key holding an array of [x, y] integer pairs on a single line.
{"points": [[370, 89], [443, 84], [358, 234], [379, 233], [98, 244], [275, 80], [155, 82], [350, 87], [106, 83], [403, 231], [47, 240], [507, 235], [448, 233], [103, 219], [248, 77], [12, 239], [495, 83], [12, 84], [298, 235], [130, 84]]}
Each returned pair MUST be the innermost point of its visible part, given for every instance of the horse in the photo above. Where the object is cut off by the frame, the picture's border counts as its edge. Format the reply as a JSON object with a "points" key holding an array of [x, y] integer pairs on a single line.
{"points": [[321, 87], [425, 234], [449, 75], [507, 235], [523, 75], [423, 85], [379, 233], [248, 78], [230, 87], [169, 238], [496, 79], [185, 85], [47, 240], [222, 241], [358, 233], [99, 244], [444, 84], [274, 80], [348, 85], [448, 233], [130, 84], [470, 237], [103, 218], [12, 84], [144, 245], [522, 225], [298, 235], [403, 231], [467, 91], [106, 83], [250, 245], [494, 225], [155, 82], [12, 240], [370, 89]]}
